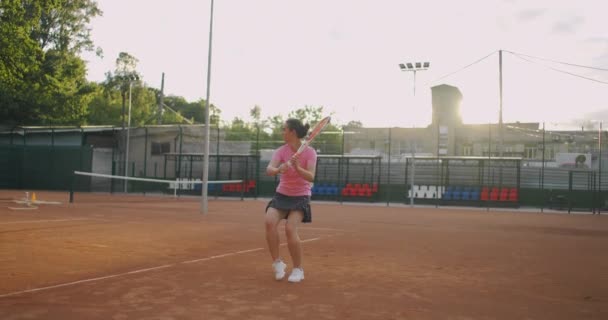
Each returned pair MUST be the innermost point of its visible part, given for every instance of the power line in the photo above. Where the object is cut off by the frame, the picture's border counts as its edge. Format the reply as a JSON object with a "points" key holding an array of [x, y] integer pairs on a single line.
{"points": [[555, 61], [461, 69], [557, 70]]}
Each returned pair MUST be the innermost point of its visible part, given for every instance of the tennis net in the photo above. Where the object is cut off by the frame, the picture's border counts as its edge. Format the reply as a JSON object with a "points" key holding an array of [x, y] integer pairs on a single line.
{"points": [[105, 183]]}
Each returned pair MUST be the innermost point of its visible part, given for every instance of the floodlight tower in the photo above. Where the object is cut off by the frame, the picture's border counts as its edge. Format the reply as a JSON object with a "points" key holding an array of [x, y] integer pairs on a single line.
{"points": [[204, 196], [413, 67]]}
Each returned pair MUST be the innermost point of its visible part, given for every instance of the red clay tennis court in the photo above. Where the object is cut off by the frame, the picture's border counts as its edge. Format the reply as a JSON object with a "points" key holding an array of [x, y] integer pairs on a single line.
{"points": [[135, 257]]}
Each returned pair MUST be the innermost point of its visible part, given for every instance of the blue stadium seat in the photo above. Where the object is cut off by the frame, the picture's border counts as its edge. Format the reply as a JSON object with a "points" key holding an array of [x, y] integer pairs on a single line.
{"points": [[447, 195], [333, 189], [465, 195], [456, 195]]}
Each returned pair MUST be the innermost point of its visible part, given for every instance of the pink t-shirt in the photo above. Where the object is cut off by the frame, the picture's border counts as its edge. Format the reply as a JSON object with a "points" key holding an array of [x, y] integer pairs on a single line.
{"points": [[291, 183]]}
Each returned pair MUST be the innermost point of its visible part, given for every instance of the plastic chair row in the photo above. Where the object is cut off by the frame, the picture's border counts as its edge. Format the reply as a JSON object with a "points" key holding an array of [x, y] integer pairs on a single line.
{"points": [[500, 194], [325, 189], [483, 194], [465, 194], [359, 190], [350, 190], [233, 187]]}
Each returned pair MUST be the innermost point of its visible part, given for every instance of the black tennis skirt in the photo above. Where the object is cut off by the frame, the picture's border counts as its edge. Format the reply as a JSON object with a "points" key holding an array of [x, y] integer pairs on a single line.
{"points": [[290, 203]]}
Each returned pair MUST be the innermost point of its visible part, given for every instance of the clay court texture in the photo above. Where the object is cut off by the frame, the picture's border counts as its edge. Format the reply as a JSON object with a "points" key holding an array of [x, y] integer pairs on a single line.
{"points": [[136, 257]]}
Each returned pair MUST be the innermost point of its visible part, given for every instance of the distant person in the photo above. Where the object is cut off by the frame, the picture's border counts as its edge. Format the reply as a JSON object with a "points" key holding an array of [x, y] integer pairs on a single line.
{"points": [[292, 198]]}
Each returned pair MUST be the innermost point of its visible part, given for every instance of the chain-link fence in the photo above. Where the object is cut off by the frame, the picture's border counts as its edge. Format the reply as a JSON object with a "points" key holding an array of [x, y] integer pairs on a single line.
{"points": [[524, 165]]}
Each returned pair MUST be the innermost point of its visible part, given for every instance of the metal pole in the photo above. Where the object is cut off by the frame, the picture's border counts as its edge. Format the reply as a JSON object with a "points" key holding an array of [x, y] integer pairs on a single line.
{"points": [[204, 207], [414, 83], [146, 152], [542, 174], [489, 163], [159, 119], [128, 138], [599, 141], [341, 159], [388, 175], [413, 173], [217, 153], [438, 186], [414, 68], [500, 124]]}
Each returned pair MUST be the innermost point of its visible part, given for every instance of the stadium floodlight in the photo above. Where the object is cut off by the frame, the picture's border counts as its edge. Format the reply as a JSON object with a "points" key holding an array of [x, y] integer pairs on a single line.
{"points": [[414, 67]]}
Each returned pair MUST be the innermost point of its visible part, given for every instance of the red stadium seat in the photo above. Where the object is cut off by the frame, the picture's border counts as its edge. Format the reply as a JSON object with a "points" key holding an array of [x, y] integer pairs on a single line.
{"points": [[504, 194], [485, 196], [362, 192], [250, 185], [231, 187], [345, 192]]}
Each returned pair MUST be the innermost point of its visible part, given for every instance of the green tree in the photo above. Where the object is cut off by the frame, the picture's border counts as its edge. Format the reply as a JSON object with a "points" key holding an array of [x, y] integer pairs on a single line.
{"points": [[194, 111], [63, 24], [308, 114], [42, 80], [276, 127], [125, 74], [353, 125], [105, 106], [239, 130]]}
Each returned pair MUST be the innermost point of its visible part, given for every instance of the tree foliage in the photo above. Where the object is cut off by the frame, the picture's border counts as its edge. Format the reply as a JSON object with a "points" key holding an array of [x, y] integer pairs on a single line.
{"points": [[42, 80]]}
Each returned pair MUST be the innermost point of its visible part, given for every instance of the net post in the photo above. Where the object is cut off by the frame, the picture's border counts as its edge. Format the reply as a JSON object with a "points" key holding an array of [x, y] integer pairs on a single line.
{"points": [[175, 187], [72, 188], [242, 190]]}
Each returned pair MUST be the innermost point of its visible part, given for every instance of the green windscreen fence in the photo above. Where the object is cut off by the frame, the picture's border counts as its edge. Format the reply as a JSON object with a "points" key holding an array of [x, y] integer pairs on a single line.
{"points": [[42, 167]]}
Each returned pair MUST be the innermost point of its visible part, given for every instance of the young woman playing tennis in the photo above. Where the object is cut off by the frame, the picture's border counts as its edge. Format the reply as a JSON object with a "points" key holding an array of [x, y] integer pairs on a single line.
{"points": [[292, 198]]}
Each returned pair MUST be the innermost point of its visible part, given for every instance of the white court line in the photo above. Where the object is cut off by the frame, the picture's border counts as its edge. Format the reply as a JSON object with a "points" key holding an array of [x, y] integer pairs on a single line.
{"points": [[325, 229], [40, 221], [136, 271]]}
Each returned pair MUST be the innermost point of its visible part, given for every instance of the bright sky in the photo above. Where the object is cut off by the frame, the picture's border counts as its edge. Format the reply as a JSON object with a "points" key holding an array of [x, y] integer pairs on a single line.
{"points": [[344, 55]]}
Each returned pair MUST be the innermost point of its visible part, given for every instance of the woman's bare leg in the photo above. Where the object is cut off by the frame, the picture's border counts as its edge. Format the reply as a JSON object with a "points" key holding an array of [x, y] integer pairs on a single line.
{"points": [[293, 239], [273, 218]]}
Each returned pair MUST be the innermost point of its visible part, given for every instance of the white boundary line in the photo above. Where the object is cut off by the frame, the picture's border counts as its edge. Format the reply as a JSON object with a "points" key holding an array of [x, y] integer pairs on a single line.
{"points": [[138, 271], [322, 229], [40, 221]]}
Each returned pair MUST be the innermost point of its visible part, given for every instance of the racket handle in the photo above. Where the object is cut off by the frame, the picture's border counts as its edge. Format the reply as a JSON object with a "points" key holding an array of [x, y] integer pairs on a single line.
{"points": [[300, 149]]}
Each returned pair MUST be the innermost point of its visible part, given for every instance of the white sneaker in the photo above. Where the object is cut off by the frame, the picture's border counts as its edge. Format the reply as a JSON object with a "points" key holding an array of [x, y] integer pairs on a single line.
{"points": [[297, 275], [279, 269]]}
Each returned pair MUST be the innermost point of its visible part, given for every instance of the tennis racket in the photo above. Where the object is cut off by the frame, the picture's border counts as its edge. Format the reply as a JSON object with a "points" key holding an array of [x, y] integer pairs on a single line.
{"points": [[313, 134]]}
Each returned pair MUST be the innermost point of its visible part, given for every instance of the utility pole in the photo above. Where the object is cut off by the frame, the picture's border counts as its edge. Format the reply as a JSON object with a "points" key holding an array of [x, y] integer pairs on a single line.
{"points": [[160, 104]]}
